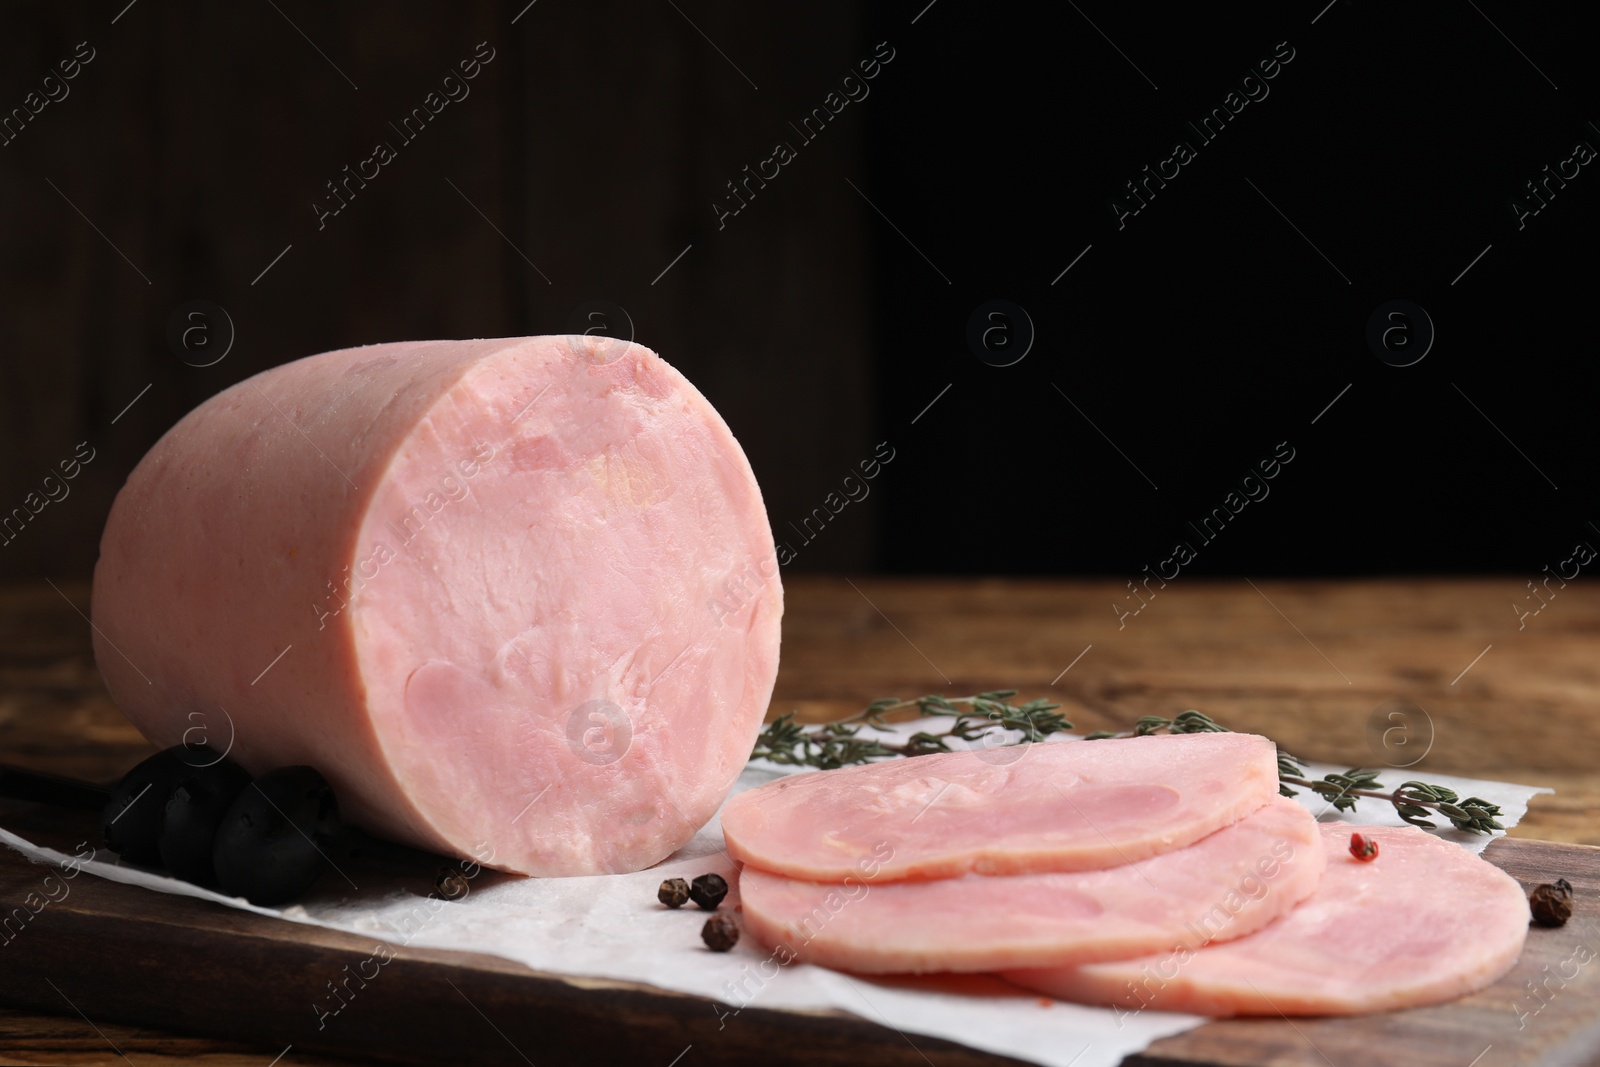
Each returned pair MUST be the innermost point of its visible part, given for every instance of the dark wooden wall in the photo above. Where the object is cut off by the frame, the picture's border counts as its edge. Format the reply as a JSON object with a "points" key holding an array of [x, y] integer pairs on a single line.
{"points": [[1186, 344], [187, 154]]}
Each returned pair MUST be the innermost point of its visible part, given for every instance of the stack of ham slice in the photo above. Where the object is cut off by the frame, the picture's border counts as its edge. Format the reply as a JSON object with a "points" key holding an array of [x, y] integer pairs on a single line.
{"points": [[1157, 872]]}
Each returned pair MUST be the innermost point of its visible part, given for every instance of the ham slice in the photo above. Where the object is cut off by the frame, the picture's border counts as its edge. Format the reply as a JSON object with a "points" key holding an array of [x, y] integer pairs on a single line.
{"points": [[1068, 806], [1223, 886], [517, 599], [1425, 922]]}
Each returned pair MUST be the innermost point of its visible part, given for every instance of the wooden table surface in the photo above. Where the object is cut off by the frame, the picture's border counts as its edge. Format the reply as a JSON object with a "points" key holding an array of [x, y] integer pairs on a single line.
{"points": [[1322, 667]]}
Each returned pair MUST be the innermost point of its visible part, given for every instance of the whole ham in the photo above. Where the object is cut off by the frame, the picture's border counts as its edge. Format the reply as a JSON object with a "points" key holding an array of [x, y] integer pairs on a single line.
{"points": [[1223, 886], [1424, 922], [517, 599], [1070, 806]]}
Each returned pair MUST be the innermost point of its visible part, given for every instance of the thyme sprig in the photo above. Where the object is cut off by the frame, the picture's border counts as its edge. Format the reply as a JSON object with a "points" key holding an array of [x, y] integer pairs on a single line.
{"points": [[837, 744], [1412, 800]]}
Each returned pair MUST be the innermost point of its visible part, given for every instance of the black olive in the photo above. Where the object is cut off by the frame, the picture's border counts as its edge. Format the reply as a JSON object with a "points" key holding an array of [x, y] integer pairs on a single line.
{"points": [[269, 848], [201, 798], [131, 821]]}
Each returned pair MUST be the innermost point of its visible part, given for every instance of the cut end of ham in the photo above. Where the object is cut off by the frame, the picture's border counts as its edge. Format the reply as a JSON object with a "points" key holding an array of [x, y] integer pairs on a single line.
{"points": [[1424, 922], [1066, 806], [1224, 886], [523, 594]]}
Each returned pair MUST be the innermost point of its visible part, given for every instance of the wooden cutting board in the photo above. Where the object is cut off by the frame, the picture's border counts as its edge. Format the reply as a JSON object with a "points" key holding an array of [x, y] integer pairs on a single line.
{"points": [[119, 953], [1521, 712]]}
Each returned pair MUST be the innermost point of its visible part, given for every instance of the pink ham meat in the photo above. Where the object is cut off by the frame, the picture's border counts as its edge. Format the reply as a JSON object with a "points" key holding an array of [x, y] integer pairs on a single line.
{"points": [[1425, 922], [1223, 886], [516, 598], [1068, 806]]}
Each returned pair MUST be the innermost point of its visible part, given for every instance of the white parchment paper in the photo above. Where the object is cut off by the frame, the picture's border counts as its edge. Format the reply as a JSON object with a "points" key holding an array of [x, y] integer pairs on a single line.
{"points": [[612, 927]]}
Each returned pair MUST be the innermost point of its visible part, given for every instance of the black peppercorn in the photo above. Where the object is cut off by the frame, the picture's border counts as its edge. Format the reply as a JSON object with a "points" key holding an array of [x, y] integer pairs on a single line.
{"points": [[674, 892], [720, 933], [1552, 904], [708, 891]]}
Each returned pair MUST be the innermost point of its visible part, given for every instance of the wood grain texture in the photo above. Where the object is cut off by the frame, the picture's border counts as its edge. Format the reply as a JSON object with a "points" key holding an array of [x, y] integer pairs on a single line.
{"points": [[1521, 713], [1307, 663]]}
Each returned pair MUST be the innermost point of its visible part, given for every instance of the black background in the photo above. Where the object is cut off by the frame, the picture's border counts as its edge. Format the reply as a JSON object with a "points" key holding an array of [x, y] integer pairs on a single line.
{"points": [[1208, 329], [1204, 331]]}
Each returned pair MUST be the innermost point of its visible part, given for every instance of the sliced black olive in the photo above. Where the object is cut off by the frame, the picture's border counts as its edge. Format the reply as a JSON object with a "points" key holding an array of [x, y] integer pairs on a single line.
{"points": [[132, 818], [269, 848], [195, 810]]}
